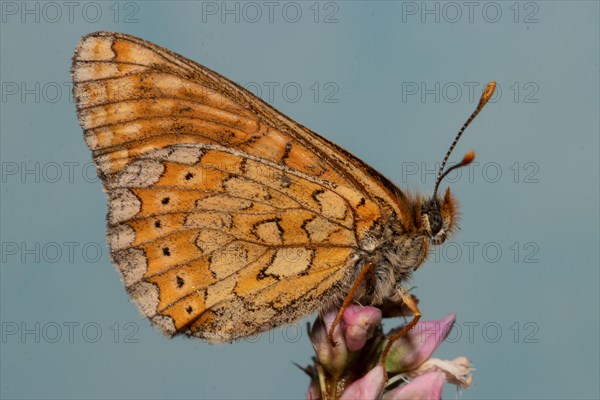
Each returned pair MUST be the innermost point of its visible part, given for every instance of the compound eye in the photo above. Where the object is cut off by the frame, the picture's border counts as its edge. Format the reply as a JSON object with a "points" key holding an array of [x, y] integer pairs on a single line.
{"points": [[435, 223]]}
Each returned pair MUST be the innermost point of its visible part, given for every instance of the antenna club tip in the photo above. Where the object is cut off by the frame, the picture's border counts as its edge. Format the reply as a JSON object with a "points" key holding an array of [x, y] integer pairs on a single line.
{"points": [[488, 91], [468, 158]]}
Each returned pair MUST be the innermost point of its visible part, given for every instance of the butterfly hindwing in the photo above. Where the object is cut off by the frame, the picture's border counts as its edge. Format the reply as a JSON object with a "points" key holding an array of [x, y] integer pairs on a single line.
{"points": [[199, 238]]}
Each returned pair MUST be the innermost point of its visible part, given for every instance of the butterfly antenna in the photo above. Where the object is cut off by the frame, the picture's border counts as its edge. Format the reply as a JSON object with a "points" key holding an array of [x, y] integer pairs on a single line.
{"points": [[470, 156]]}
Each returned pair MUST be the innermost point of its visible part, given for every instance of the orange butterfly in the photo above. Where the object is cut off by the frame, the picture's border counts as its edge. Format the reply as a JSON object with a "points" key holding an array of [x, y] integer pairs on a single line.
{"points": [[227, 218]]}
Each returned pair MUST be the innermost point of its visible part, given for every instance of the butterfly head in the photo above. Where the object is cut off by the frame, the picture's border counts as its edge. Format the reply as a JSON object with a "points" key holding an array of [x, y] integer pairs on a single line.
{"points": [[439, 217]]}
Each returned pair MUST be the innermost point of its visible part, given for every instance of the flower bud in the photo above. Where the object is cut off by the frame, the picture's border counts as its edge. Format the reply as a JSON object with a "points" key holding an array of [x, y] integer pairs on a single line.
{"points": [[333, 358], [359, 324]]}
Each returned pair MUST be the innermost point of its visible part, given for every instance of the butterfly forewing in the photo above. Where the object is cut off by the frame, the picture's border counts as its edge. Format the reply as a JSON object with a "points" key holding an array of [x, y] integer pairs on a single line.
{"points": [[226, 218]]}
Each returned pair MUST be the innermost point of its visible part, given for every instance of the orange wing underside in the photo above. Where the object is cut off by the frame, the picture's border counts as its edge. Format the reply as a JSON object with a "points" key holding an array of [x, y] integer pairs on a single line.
{"points": [[225, 218]]}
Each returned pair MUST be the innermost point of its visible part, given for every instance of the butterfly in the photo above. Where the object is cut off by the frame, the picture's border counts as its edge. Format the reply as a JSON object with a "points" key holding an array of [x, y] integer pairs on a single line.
{"points": [[225, 217]]}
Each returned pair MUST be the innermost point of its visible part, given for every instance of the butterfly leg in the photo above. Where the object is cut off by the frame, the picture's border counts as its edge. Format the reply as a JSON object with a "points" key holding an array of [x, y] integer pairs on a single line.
{"points": [[410, 303], [424, 248], [361, 275]]}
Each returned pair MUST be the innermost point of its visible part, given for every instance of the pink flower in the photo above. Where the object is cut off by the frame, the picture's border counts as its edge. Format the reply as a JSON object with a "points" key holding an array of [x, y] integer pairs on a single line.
{"points": [[313, 393], [425, 387], [352, 369], [418, 345], [369, 386]]}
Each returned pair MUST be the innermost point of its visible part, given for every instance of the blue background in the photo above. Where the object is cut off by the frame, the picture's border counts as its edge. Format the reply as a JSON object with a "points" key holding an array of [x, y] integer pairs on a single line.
{"points": [[526, 296]]}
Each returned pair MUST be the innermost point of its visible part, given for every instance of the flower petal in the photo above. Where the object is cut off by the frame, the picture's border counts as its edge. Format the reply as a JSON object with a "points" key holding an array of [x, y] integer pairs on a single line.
{"points": [[458, 371], [425, 387], [359, 324], [368, 387], [312, 393], [418, 345]]}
